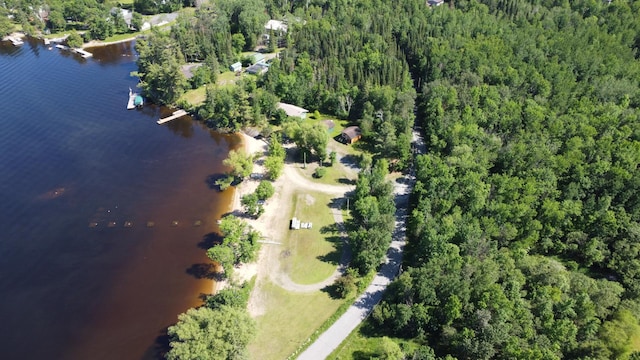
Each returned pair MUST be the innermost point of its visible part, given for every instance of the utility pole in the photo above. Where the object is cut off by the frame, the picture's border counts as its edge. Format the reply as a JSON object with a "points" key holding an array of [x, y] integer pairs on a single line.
{"points": [[304, 155]]}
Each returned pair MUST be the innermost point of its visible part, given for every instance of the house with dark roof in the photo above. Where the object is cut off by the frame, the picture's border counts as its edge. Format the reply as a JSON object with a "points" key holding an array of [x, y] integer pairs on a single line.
{"points": [[351, 134], [189, 69], [258, 68]]}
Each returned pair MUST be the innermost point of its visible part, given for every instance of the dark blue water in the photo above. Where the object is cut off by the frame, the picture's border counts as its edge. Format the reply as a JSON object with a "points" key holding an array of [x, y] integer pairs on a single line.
{"points": [[103, 213]]}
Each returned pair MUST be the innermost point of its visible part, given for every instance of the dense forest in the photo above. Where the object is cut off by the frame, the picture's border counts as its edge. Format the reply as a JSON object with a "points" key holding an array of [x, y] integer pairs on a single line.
{"points": [[524, 240]]}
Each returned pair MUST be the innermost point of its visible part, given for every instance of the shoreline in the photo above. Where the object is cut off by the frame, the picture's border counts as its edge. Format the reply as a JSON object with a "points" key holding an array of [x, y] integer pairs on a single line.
{"points": [[244, 272], [98, 43]]}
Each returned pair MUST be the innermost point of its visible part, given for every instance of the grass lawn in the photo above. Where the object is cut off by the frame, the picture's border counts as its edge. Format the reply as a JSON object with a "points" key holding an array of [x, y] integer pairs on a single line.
{"points": [[315, 252], [290, 319], [195, 96], [335, 175], [120, 37], [357, 346], [198, 96], [227, 78]]}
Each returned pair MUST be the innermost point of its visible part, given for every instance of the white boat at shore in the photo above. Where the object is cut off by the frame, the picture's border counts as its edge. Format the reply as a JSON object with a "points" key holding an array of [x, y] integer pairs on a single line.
{"points": [[135, 100]]}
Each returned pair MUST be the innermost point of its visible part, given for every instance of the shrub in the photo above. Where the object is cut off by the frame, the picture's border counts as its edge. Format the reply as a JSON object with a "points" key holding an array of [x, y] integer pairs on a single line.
{"points": [[320, 172], [333, 157], [265, 190]]}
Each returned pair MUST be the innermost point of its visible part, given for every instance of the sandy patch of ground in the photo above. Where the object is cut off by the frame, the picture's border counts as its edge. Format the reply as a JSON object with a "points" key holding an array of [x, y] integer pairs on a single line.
{"points": [[273, 224]]}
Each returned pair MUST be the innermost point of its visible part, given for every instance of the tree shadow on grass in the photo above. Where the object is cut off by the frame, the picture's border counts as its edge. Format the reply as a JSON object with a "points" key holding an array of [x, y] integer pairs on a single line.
{"points": [[332, 291], [371, 329], [338, 203], [334, 256], [350, 161]]}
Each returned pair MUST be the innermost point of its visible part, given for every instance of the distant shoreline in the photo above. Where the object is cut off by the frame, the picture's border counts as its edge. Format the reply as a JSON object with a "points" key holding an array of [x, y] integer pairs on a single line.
{"points": [[97, 43]]}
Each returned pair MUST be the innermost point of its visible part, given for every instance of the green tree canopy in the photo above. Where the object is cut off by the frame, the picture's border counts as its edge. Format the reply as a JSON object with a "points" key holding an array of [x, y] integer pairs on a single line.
{"points": [[212, 334]]}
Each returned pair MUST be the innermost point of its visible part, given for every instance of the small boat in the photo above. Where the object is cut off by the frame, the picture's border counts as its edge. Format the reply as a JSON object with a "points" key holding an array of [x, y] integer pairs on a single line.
{"points": [[135, 100]]}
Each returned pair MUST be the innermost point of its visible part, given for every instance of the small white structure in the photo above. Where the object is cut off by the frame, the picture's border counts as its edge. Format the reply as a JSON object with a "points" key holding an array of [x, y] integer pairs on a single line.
{"points": [[293, 110], [435, 2], [275, 25], [297, 225], [235, 67]]}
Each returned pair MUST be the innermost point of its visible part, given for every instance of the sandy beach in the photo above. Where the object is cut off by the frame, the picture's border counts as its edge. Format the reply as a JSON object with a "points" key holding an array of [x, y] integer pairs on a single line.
{"points": [[245, 272], [97, 43]]}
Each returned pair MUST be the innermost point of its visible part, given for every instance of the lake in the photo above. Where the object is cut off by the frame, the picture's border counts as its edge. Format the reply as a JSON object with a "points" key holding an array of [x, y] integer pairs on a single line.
{"points": [[105, 215]]}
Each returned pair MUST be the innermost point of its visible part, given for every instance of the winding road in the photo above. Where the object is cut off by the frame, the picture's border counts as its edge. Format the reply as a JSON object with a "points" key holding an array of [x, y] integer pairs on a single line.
{"points": [[362, 307]]}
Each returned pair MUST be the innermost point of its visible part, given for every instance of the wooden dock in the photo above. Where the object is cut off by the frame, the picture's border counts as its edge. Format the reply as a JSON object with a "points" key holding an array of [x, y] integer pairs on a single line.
{"points": [[84, 54], [175, 115], [16, 41]]}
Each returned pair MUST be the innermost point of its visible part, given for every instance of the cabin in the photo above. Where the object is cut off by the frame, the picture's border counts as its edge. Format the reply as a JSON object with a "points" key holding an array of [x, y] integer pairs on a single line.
{"points": [[351, 134], [235, 67], [292, 110]]}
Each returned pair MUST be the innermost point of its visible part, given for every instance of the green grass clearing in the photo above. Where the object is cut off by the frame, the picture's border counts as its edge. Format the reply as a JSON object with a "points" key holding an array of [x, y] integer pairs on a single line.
{"points": [[227, 78], [289, 320], [120, 37], [315, 252], [195, 96], [358, 346], [335, 175]]}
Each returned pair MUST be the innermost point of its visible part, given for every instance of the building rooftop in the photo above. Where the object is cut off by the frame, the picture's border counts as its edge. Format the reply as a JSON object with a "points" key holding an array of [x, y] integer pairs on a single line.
{"points": [[352, 132], [276, 25], [292, 110]]}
